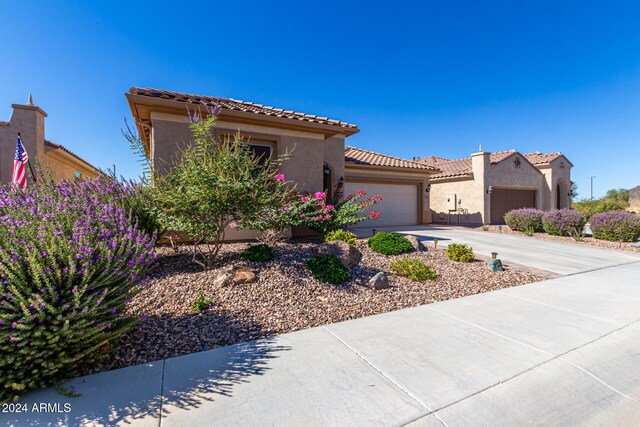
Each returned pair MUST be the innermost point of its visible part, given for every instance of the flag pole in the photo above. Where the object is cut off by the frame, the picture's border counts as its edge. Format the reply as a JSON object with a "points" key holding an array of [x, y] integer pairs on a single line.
{"points": [[35, 181]]}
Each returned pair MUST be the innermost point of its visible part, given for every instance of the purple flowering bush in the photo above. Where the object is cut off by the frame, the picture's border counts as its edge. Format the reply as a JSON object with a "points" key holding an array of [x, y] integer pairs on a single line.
{"points": [[617, 226], [71, 257], [564, 222], [525, 219]]}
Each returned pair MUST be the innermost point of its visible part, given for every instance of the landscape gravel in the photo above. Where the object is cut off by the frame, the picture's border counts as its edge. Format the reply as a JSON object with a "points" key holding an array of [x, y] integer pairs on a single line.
{"points": [[285, 298]]}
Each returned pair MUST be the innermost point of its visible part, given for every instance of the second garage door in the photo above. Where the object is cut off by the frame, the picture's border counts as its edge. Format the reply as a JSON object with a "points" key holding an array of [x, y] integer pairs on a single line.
{"points": [[504, 200], [399, 204]]}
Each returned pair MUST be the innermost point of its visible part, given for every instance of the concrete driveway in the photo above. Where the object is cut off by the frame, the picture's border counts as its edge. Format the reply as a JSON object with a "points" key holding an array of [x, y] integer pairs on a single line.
{"points": [[558, 257], [563, 352]]}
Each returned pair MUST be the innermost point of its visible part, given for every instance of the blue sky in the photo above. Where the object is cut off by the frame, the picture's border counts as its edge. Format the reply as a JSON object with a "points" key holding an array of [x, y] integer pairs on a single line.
{"points": [[419, 78]]}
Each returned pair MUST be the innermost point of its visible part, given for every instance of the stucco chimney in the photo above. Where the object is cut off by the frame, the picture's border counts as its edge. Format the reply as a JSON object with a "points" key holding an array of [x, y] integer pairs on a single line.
{"points": [[29, 121], [480, 164]]}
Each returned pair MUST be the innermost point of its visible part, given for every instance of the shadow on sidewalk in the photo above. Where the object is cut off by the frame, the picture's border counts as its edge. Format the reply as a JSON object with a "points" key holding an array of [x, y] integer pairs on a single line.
{"points": [[137, 395]]}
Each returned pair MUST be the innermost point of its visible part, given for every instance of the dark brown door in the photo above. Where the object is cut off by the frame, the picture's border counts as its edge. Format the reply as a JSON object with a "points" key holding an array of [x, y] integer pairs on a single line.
{"points": [[503, 200]]}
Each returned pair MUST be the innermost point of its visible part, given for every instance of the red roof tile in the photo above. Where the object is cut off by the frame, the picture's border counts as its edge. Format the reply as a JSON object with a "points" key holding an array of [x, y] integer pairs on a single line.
{"points": [[364, 157], [237, 105], [538, 158]]}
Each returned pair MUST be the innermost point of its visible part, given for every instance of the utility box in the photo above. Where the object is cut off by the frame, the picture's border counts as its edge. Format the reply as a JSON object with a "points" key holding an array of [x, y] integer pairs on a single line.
{"points": [[452, 203]]}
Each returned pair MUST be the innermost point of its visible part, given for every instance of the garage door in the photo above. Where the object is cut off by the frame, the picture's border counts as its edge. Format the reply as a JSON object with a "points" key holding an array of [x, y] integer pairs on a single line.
{"points": [[399, 204], [503, 200]]}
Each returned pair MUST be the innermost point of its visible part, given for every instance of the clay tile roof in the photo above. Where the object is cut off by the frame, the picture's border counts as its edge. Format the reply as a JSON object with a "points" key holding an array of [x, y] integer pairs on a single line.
{"points": [[634, 193], [365, 157], [63, 148], [454, 168], [499, 156], [237, 105], [432, 161], [538, 158]]}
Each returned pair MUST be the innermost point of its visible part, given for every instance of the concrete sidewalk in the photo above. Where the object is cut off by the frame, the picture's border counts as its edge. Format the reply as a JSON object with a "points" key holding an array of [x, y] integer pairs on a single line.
{"points": [[559, 352], [558, 257]]}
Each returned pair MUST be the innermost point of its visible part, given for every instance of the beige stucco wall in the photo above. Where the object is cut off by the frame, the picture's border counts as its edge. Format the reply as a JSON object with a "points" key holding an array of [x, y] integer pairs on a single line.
{"points": [[354, 173], [444, 194], [61, 165], [559, 170], [29, 121]]}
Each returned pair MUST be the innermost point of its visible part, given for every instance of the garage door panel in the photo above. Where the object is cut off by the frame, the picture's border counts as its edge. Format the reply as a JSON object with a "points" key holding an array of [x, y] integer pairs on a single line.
{"points": [[504, 200], [399, 204]]}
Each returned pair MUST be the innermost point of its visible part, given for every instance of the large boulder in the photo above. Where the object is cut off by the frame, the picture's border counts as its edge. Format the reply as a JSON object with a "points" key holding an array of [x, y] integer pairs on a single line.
{"points": [[417, 244], [348, 254]]}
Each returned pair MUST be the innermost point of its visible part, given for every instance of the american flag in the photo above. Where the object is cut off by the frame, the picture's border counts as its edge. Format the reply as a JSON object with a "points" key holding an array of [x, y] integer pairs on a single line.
{"points": [[19, 162]]}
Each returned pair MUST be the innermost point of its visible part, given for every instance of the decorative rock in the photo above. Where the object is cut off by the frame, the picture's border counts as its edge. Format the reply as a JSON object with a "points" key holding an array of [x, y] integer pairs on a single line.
{"points": [[234, 276], [244, 275], [417, 244], [348, 254], [379, 281]]}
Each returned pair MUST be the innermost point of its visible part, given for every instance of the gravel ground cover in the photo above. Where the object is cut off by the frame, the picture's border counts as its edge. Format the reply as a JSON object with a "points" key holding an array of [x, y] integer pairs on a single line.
{"points": [[587, 241], [285, 298]]}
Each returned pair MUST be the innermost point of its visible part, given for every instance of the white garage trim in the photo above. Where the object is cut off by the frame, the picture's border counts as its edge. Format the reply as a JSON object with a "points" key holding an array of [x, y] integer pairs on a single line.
{"points": [[400, 204]]}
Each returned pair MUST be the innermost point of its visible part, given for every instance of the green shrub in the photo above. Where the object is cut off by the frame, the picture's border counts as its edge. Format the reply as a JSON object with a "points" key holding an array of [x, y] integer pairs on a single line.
{"points": [[70, 260], [414, 269], [328, 268], [614, 200], [459, 252], [342, 235], [524, 219], [616, 226], [214, 184], [389, 244], [485, 227], [201, 303], [257, 253]]}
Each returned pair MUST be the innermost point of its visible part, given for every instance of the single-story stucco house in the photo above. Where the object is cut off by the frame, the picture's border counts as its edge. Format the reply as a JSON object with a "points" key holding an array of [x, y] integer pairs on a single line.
{"points": [[413, 192], [480, 189], [29, 120]]}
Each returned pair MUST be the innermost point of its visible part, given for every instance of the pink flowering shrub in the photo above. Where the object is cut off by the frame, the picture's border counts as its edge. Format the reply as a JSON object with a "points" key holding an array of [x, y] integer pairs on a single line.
{"points": [[320, 215], [71, 257]]}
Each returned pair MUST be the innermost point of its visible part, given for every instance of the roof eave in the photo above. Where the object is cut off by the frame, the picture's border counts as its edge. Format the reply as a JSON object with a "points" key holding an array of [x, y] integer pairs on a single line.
{"points": [[389, 168], [180, 108]]}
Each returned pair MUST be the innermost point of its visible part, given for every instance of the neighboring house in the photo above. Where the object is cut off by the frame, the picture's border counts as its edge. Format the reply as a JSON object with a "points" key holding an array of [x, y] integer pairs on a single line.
{"points": [[480, 189], [29, 121], [634, 200]]}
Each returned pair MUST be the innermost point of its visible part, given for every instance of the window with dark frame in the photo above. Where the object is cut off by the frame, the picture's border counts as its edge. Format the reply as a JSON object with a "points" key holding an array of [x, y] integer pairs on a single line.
{"points": [[261, 152]]}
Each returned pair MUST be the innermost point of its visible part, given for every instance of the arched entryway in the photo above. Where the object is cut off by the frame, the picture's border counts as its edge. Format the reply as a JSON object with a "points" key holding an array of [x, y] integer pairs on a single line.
{"points": [[562, 195]]}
